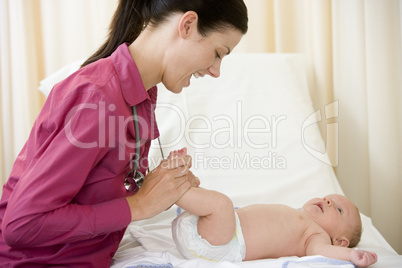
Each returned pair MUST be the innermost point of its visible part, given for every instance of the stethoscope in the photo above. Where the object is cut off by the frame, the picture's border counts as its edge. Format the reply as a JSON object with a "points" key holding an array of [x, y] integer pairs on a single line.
{"points": [[134, 177]]}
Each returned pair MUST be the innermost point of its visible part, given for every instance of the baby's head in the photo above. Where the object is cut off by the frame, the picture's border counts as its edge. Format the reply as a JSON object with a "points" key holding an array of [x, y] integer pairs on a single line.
{"points": [[338, 216]]}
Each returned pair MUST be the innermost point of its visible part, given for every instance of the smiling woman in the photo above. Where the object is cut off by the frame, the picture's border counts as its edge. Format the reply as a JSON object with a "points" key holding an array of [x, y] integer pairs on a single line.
{"points": [[190, 31], [174, 51], [149, 42]]}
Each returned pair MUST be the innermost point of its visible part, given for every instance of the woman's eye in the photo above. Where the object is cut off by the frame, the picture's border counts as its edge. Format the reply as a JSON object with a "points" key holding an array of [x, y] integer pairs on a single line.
{"points": [[340, 210], [217, 55]]}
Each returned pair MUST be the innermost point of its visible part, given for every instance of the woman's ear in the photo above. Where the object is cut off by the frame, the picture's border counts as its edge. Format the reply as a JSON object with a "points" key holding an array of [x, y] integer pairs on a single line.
{"points": [[341, 242], [188, 24]]}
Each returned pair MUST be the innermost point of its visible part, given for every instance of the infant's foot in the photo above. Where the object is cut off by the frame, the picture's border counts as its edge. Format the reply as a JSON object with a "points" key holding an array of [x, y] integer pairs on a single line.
{"points": [[176, 153]]}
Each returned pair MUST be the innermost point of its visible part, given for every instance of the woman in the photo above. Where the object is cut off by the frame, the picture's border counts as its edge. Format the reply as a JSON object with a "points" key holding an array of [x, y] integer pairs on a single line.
{"points": [[65, 202]]}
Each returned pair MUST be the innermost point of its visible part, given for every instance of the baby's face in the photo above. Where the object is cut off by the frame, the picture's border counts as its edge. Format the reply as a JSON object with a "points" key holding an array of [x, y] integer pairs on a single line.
{"points": [[334, 213]]}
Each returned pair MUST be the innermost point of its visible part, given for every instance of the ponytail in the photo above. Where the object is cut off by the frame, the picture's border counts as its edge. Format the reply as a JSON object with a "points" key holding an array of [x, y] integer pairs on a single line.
{"points": [[127, 23]]}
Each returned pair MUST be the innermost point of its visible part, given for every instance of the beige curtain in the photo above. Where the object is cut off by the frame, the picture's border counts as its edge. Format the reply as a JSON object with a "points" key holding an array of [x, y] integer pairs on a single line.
{"points": [[20, 50], [37, 37], [354, 56]]}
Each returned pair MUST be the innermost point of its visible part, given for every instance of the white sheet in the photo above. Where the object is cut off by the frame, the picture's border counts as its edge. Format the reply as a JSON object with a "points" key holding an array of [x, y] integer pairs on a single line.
{"points": [[252, 135], [152, 244]]}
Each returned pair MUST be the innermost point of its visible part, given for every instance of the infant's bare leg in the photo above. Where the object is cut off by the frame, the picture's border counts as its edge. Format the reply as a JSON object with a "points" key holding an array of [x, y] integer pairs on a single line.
{"points": [[217, 222]]}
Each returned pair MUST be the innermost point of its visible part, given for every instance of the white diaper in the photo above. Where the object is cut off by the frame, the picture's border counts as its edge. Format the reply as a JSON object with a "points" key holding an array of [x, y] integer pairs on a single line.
{"points": [[191, 245]]}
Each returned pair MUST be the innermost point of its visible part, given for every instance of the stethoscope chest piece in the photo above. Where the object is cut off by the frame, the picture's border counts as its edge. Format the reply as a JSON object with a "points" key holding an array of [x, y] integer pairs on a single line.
{"points": [[133, 180]]}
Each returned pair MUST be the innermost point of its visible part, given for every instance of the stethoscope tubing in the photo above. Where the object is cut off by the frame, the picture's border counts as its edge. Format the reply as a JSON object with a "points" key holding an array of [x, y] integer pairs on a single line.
{"points": [[134, 183], [137, 139]]}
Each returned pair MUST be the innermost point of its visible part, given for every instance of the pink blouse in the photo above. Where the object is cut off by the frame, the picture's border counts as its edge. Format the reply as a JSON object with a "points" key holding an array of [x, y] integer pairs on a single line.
{"points": [[64, 202]]}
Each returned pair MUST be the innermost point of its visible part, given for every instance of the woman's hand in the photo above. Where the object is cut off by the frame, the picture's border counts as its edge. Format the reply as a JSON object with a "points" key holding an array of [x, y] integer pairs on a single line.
{"points": [[162, 187]]}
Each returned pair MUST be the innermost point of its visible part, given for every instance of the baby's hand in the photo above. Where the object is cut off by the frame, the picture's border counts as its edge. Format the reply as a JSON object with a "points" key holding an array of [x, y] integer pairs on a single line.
{"points": [[363, 258], [181, 152]]}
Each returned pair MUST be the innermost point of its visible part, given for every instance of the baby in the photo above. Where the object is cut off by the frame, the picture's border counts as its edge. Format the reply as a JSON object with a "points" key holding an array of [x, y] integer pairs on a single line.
{"points": [[211, 229]]}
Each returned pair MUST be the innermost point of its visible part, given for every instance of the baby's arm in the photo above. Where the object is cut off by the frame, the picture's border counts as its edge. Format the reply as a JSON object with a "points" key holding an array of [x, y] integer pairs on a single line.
{"points": [[319, 246]]}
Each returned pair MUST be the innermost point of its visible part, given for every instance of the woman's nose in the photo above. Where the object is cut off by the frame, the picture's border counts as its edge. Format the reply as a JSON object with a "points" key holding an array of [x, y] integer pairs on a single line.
{"points": [[215, 69]]}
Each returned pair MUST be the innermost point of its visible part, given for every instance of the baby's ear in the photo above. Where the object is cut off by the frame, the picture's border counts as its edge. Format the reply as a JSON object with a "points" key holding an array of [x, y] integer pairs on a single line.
{"points": [[341, 242]]}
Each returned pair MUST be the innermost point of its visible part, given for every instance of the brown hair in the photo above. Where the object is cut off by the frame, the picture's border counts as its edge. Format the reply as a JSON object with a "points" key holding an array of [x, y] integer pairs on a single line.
{"points": [[132, 16], [356, 232]]}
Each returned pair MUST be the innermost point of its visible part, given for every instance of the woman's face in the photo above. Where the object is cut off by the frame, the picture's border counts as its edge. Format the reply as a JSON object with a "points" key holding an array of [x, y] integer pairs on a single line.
{"points": [[198, 56]]}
